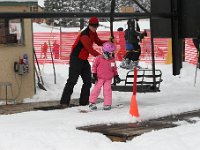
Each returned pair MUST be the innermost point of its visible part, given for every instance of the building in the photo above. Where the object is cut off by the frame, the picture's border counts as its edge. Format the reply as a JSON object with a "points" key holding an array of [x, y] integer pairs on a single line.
{"points": [[127, 9], [16, 41]]}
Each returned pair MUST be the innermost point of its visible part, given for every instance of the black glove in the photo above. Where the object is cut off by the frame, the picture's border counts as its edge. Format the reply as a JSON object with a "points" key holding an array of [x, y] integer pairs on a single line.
{"points": [[117, 79], [94, 78], [143, 34]]}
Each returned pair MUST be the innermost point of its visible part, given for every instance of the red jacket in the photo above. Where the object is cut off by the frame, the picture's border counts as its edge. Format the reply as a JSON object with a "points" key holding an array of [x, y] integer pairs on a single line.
{"points": [[44, 47], [82, 47]]}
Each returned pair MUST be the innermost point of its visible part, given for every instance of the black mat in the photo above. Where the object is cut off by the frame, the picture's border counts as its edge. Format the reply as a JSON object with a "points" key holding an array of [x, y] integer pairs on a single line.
{"points": [[127, 131], [54, 107]]}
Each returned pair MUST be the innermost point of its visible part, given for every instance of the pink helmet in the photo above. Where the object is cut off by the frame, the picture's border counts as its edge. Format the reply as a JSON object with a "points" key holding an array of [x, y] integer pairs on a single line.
{"points": [[109, 47]]}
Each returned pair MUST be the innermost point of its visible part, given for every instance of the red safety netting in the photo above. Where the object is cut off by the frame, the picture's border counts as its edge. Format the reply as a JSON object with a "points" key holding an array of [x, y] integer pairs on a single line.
{"points": [[64, 41]]}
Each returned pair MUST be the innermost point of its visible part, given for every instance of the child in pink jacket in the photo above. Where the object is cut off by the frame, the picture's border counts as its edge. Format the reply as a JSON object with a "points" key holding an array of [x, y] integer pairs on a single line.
{"points": [[103, 70]]}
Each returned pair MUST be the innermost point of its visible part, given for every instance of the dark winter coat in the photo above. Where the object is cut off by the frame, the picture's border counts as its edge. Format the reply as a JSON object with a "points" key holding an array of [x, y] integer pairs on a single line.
{"points": [[83, 46], [132, 36]]}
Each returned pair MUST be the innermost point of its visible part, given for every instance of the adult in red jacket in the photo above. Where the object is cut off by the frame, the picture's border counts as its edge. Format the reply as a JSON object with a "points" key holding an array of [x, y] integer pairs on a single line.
{"points": [[79, 65]]}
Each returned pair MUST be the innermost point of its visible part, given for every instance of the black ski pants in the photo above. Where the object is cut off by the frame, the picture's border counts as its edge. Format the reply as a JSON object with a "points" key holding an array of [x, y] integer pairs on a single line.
{"points": [[77, 68], [134, 54]]}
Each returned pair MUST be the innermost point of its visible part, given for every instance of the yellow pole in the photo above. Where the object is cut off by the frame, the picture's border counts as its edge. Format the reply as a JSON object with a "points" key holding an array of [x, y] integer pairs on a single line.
{"points": [[169, 52]]}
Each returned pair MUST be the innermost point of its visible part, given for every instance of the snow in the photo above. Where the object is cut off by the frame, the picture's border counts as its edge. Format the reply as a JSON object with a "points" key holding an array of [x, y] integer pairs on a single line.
{"points": [[104, 26], [41, 3], [56, 130]]}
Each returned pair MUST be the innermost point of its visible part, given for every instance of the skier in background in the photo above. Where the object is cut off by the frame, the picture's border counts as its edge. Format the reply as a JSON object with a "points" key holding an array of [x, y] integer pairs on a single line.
{"points": [[44, 48], [56, 49]]}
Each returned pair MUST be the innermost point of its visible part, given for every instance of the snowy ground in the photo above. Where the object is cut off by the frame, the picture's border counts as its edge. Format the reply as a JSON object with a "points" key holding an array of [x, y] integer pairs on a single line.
{"points": [[56, 130], [104, 26]]}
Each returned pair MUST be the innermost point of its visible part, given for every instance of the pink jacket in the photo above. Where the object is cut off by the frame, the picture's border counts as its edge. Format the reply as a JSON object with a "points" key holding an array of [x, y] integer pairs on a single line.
{"points": [[105, 69]]}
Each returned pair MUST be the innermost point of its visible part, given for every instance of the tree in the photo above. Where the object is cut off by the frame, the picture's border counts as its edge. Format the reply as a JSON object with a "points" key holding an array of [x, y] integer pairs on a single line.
{"points": [[85, 6]]}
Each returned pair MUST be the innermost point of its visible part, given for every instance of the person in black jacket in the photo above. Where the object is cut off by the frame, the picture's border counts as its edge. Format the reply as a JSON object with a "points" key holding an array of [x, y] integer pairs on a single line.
{"points": [[133, 37]]}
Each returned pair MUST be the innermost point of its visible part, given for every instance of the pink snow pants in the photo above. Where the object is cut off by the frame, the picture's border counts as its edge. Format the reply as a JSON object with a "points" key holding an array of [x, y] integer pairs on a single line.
{"points": [[107, 91]]}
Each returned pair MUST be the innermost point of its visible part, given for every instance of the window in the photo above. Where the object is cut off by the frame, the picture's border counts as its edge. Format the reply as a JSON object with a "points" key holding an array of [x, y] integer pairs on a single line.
{"points": [[11, 31], [34, 9]]}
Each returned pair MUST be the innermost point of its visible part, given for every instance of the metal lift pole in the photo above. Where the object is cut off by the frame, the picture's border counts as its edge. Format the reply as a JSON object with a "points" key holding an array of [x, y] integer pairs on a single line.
{"points": [[152, 43]]}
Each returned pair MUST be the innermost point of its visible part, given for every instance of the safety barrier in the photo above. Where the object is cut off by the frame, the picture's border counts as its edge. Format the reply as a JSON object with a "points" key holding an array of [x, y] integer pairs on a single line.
{"points": [[66, 39], [190, 52]]}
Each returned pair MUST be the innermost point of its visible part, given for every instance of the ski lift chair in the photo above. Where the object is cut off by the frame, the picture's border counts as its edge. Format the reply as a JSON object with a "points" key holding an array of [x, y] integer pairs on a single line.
{"points": [[145, 82]]}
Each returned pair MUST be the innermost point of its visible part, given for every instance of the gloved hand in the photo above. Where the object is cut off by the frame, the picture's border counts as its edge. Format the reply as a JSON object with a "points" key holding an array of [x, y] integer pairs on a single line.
{"points": [[143, 34], [117, 79], [112, 39], [94, 78]]}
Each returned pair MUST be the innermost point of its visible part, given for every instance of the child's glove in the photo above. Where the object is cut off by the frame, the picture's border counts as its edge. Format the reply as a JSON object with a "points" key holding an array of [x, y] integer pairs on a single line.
{"points": [[94, 78], [117, 79]]}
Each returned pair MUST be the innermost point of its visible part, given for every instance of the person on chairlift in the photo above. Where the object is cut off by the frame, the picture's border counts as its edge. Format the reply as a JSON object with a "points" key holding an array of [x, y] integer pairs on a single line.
{"points": [[133, 37]]}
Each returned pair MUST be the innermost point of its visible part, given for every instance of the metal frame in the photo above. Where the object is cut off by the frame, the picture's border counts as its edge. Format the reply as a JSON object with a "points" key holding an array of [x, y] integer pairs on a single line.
{"points": [[112, 16], [81, 15]]}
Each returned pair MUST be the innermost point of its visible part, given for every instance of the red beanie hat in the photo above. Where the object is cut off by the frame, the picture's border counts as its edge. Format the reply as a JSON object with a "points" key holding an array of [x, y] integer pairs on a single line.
{"points": [[93, 20]]}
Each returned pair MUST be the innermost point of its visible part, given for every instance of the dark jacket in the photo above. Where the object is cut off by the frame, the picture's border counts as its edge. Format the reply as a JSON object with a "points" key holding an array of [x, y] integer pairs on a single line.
{"points": [[132, 36], [82, 47]]}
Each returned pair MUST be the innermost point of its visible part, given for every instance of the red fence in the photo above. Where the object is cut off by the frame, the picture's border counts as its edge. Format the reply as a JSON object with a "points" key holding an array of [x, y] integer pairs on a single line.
{"points": [[190, 52], [66, 39]]}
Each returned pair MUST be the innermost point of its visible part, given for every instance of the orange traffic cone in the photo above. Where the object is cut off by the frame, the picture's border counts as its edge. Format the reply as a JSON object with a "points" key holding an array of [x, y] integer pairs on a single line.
{"points": [[134, 107]]}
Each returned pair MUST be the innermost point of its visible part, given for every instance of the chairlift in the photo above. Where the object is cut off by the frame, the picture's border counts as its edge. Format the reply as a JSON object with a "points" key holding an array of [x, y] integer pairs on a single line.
{"points": [[145, 81]]}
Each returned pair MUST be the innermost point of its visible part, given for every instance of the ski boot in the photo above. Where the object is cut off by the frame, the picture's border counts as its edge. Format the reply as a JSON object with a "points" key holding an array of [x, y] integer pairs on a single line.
{"points": [[107, 107], [123, 64], [92, 106], [130, 66], [136, 64]]}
